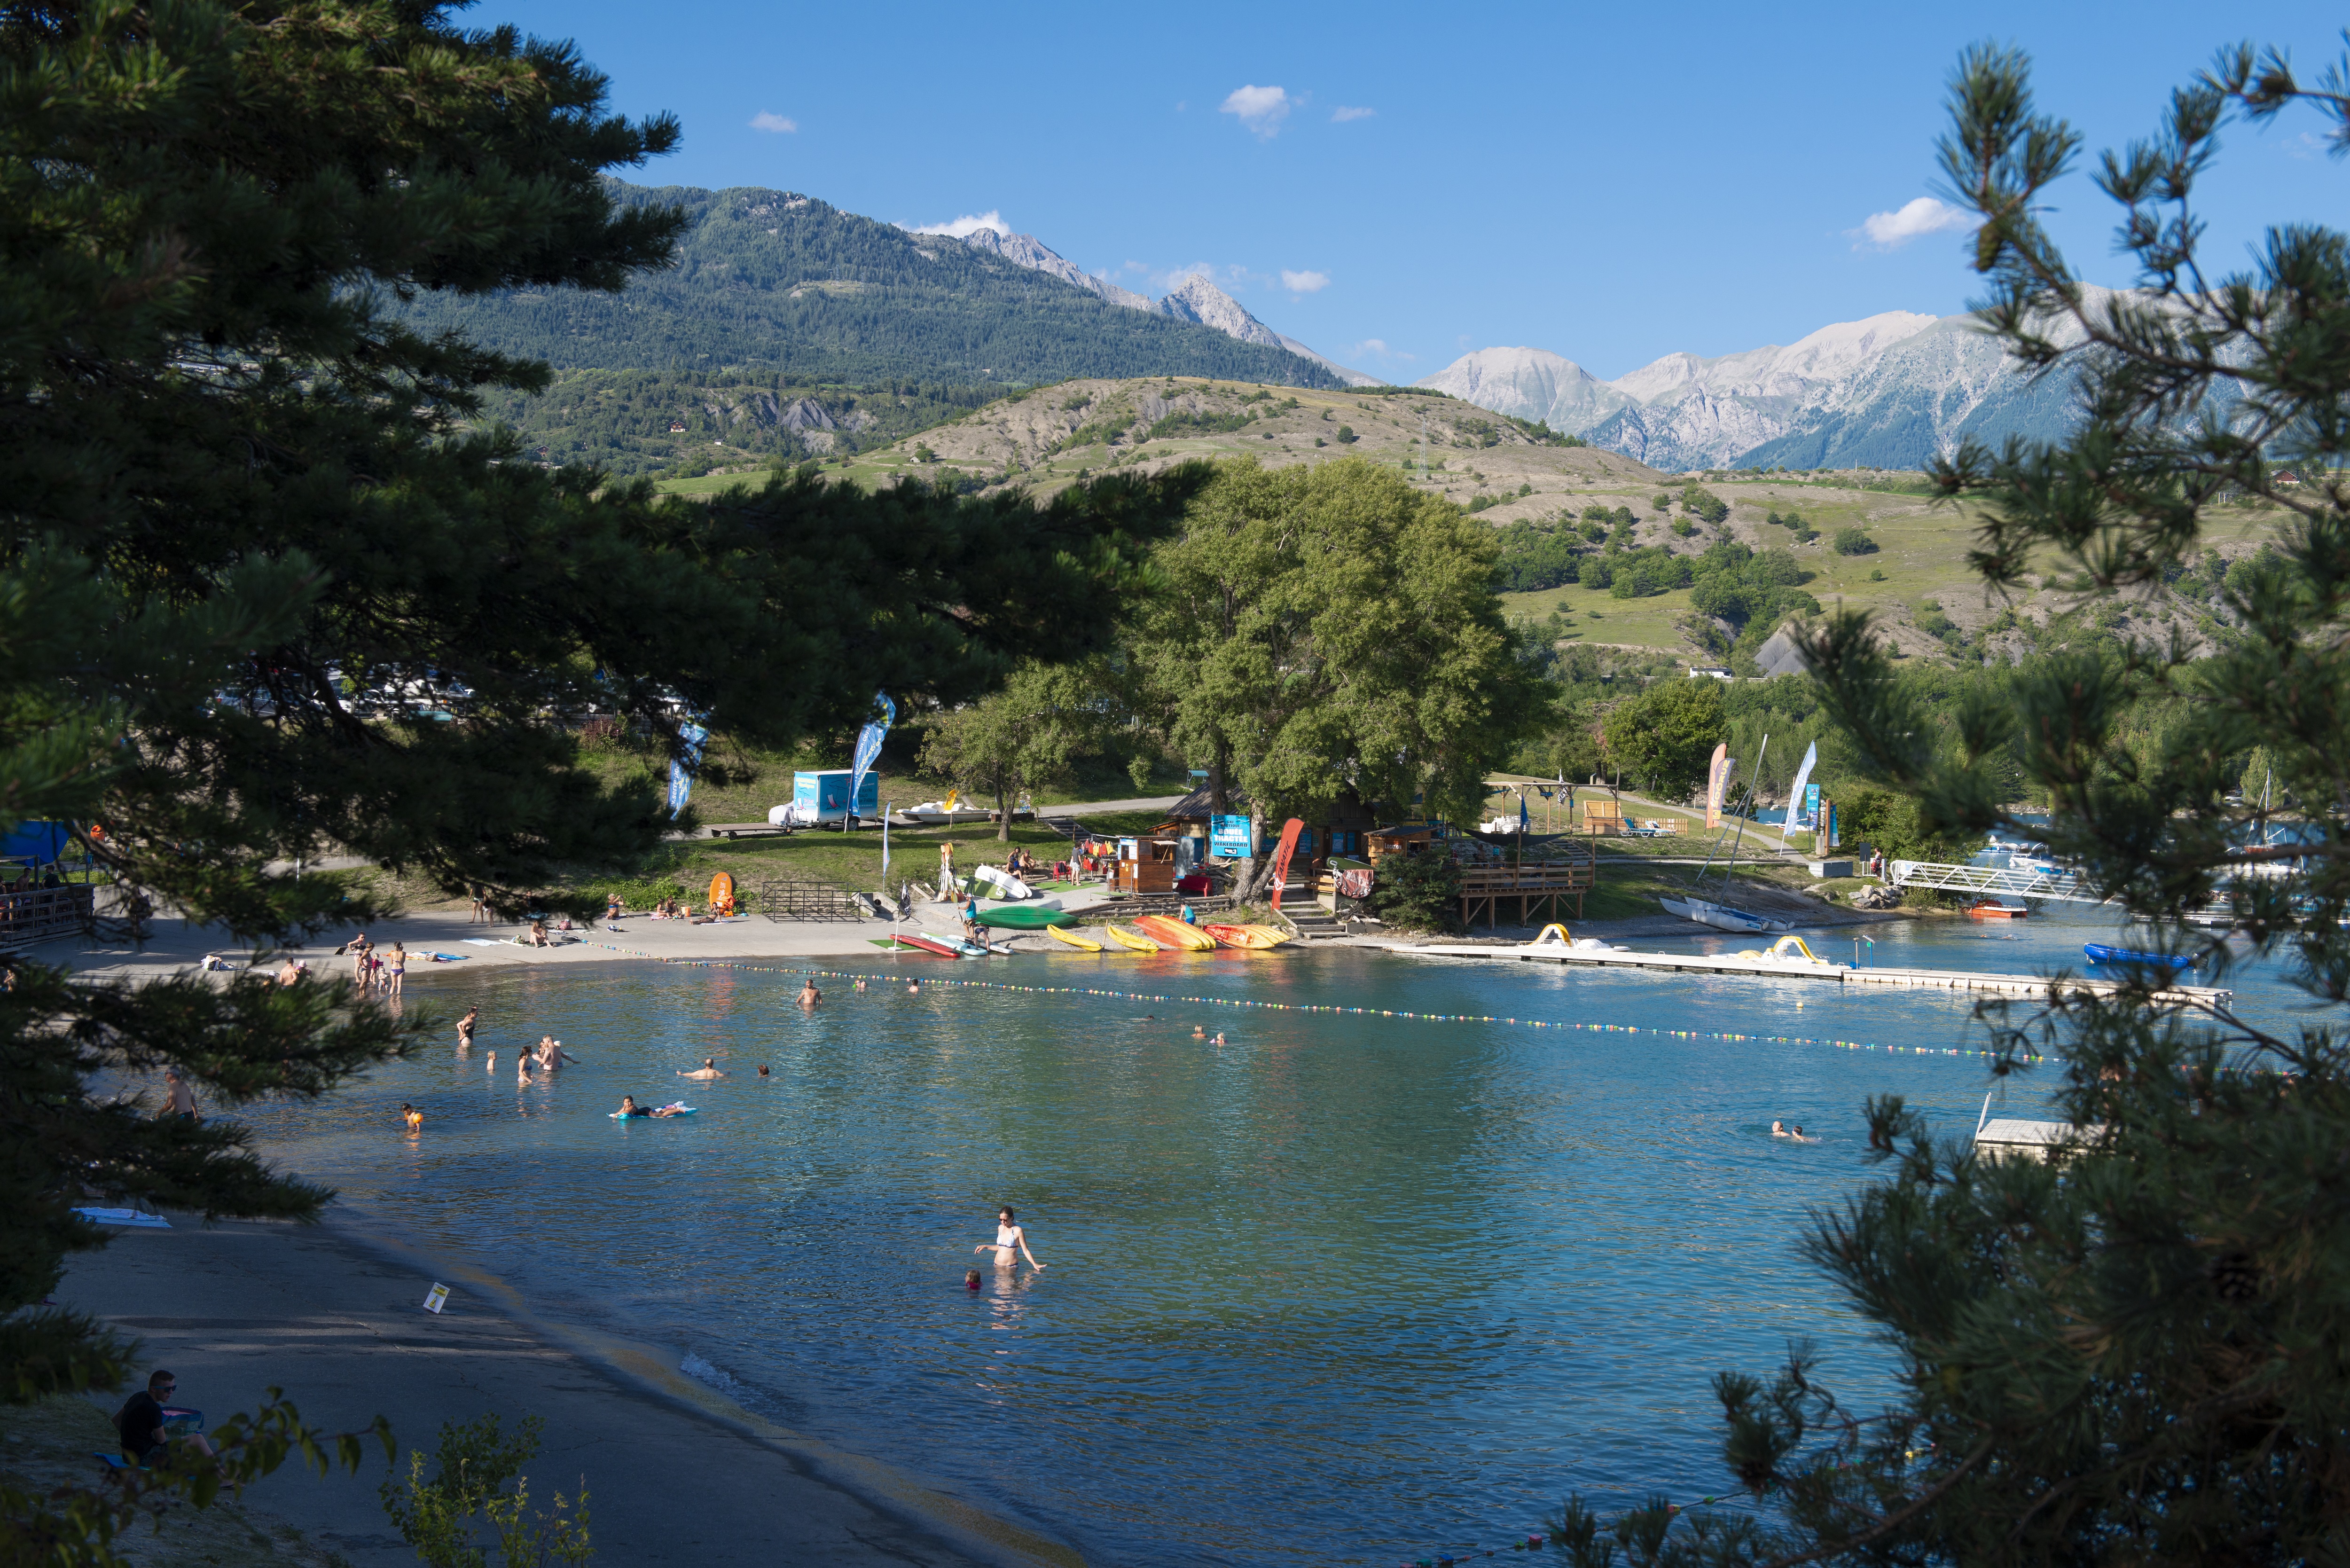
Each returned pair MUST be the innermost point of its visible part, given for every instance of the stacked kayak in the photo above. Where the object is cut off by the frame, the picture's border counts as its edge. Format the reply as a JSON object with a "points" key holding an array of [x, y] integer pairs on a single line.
{"points": [[1128, 939], [1084, 944], [1254, 937], [1169, 931]]}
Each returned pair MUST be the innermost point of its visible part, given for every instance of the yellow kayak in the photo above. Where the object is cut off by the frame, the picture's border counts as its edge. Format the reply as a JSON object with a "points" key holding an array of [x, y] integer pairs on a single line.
{"points": [[1082, 943], [1173, 932], [1273, 936], [1129, 940]]}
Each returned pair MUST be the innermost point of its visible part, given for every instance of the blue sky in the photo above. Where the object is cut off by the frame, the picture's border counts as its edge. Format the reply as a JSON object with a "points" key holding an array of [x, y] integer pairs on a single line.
{"points": [[1611, 182]]}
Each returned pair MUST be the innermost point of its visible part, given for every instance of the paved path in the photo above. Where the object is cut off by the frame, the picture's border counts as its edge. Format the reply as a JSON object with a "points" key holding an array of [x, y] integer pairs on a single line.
{"points": [[677, 1472]]}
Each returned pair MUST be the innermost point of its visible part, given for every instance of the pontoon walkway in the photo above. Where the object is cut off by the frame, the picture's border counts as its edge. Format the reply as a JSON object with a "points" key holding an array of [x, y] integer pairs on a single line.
{"points": [[1776, 969]]}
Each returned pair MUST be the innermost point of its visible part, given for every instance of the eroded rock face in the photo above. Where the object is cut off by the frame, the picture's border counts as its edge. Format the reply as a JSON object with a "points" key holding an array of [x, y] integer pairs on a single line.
{"points": [[1780, 656], [1200, 301]]}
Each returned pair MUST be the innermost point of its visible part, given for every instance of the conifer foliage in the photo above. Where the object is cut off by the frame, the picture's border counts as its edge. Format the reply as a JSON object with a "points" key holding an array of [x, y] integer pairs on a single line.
{"points": [[2136, 1356], [261, 598]]}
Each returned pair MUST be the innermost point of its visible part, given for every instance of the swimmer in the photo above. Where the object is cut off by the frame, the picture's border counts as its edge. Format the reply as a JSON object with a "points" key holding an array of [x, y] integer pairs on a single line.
{"points": [[411, 1116], [629, 1108], [971, 1280], [1796, 1132], [1009, 1236], [551, 1054], [490, 1061], [860, 982], [1779, 1129], [465, 1029], [709, 1069], [522, 1068], [1218, 1039], [762, 1069], [913, 988], [809, 994], [1198, 1033]]}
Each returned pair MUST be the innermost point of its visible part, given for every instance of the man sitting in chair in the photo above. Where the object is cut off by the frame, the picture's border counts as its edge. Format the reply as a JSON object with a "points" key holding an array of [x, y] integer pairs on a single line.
{"points": [[140, 1422]]}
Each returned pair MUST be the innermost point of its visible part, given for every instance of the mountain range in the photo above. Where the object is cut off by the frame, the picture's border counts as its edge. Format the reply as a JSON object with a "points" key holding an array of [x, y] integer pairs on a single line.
{"points": [[1892, 391], [780, 284], [1195, 299]]}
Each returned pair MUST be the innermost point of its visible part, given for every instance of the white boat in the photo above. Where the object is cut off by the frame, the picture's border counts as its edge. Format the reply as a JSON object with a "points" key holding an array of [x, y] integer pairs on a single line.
{"points": [[1724, 916], [950, 814], [1005, 884]]}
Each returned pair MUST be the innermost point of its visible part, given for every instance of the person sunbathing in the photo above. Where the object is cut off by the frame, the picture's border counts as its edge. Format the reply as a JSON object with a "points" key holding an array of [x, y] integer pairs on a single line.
{"points": [[629, 1108]]}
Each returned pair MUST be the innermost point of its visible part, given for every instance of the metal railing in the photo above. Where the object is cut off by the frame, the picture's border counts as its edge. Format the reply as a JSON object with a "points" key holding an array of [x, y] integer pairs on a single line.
{"points": [[2013, 881], [43, 912]]}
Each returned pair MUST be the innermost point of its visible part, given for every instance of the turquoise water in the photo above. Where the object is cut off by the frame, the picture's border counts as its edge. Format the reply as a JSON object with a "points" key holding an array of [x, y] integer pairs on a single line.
{"points": [[1343, 1289]]}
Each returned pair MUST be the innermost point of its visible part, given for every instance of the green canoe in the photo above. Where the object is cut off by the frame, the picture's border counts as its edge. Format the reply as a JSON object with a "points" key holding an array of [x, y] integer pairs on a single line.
{"points": [[1020, 917]]}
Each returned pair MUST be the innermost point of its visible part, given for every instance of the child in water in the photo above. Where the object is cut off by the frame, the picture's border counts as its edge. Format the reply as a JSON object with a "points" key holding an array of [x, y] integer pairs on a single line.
{"points": [[414, 1118], [970, 1281]]}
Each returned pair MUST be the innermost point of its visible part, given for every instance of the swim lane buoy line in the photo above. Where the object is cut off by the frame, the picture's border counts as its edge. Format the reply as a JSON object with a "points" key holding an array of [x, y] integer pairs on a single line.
{"points": [[1728, 1036]]}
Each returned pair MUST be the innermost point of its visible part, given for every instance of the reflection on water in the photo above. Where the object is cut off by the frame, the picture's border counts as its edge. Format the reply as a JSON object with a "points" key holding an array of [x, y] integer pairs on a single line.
{"points": [[1338, 1290]]}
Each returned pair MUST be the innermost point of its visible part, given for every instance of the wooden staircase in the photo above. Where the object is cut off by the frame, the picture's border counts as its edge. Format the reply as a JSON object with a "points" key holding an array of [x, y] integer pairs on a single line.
{"points": [[1307, 920]]}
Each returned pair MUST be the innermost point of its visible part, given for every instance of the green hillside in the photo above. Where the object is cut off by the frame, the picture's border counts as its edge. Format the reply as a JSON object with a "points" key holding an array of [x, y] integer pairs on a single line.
{"points": [[778, 284], [1662, 535], [680, 424]]}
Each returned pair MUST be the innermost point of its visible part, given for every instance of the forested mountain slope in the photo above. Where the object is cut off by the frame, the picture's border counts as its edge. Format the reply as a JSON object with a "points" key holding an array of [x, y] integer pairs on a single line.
{"points": [[776, 284]]}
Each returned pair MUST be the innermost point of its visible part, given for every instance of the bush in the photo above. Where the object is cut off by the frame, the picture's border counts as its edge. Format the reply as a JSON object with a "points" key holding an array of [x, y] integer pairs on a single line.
{"points": [[1705, 505], [1854, 542], [1347, 436], [1418, 892]]}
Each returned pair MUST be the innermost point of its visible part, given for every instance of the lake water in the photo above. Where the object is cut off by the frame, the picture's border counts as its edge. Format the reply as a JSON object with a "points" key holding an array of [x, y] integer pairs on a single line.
{"points": [[1345, 1289]]}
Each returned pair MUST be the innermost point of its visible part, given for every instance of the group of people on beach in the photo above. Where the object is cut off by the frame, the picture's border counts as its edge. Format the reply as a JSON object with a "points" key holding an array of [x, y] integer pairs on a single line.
{"points": [[377, 972]]}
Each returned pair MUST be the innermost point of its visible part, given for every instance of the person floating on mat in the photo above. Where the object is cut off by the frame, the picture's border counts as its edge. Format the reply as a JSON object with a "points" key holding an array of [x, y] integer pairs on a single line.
{"points": [[629, 1108]]}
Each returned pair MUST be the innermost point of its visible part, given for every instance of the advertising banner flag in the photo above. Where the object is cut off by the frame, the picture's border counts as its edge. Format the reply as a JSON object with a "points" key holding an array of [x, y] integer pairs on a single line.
{"points": [[1798, 805], [868, 745], [1289, 832], [1717, 783], [681, 769]]}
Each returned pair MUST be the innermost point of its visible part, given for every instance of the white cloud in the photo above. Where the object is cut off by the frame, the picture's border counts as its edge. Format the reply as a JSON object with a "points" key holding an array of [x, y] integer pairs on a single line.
{"points": [[1374, 348], [1304, 282], [1342, 114], [766, 119], [1890, 231], [1261, 109], [966, 226]]}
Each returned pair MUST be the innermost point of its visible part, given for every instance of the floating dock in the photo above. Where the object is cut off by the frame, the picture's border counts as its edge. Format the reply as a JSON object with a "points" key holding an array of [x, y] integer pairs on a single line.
{"points": [[1774, 968]]}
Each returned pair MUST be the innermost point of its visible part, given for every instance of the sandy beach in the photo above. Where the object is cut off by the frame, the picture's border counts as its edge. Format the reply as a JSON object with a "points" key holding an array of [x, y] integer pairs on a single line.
{"points": [[678, 1473]]}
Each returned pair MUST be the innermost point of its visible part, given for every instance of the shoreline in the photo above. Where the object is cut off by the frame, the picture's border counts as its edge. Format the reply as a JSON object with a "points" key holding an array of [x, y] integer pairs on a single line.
{"points": [[678, 1472]]}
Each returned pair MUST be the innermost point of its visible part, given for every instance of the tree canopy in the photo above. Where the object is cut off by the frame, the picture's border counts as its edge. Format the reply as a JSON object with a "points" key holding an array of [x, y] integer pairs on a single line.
{"points": [[1324, 628], [250, 545], [2133, 1355]]}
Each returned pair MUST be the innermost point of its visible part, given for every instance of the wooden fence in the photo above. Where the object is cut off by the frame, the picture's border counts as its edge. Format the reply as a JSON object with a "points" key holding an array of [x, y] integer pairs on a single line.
{"points": [[1543, 885]]}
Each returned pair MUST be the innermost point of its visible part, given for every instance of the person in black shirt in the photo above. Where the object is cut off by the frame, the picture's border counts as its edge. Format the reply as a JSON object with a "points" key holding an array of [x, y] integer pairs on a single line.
{"points": [[140, 1422]]}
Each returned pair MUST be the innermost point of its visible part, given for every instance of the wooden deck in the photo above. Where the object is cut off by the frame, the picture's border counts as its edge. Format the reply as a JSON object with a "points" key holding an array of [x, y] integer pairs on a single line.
{"points": [[1541, 890]]}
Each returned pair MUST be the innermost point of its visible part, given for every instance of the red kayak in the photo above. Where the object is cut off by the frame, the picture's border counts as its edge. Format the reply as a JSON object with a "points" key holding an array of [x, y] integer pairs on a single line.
{"points": [[930, 945]]}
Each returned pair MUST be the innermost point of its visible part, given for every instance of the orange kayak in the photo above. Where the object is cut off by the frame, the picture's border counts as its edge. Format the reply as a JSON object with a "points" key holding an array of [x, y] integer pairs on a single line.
{"points": [[1244, 936], [1173, 932]]}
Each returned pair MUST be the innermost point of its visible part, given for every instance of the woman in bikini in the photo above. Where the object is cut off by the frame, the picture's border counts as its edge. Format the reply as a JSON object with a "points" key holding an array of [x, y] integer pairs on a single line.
{"points": [[1009, 1236]]}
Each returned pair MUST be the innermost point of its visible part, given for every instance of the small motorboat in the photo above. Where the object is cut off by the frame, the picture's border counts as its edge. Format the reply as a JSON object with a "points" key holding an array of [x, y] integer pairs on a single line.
{"points": [[1992, 909], [1083, 944], [1169, 931], [1254, 937], [2100, 953], [1127, 939], [1724, 916]]}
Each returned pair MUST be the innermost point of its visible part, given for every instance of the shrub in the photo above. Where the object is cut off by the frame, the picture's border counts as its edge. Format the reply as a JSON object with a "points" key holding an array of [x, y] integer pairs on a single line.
{"points": [[1418, 892], [1854, 542], [1347, 437]]}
